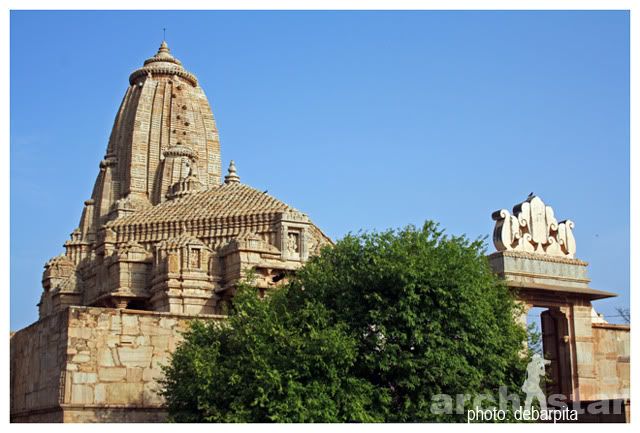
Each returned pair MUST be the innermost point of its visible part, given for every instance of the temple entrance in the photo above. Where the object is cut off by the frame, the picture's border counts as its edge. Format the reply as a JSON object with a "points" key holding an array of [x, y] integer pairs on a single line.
{"points": [[553, 326], [555, 344]]}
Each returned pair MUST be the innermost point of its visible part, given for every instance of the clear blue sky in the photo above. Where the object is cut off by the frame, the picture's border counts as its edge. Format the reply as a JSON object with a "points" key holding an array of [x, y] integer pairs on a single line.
{"points": [[360, 119]]}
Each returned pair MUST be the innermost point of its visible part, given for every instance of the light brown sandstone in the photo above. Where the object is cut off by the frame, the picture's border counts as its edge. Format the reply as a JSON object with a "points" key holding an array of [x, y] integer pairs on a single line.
{"points": [[105, 382]]}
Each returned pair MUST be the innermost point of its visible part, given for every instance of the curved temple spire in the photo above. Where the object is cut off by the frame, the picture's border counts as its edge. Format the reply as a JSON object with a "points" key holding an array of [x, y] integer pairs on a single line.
{"points": [[164, 143]]}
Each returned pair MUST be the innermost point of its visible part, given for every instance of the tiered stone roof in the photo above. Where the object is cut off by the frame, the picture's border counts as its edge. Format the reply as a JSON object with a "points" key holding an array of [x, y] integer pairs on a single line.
{"points": [[227, 200]]}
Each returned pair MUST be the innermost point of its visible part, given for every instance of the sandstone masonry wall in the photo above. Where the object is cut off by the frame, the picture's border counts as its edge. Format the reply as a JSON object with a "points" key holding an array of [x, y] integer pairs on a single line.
{"points": [[102, 364], [38, 354], [612, 361]]}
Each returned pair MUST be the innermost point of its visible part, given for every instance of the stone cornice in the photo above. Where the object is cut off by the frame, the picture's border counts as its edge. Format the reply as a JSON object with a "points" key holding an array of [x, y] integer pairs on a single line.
{"points": [[154, 70], [540, 257]]}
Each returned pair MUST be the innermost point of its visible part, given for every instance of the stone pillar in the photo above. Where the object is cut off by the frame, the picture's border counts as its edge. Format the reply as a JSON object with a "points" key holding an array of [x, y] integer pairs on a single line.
{"points": [[584, 351]]}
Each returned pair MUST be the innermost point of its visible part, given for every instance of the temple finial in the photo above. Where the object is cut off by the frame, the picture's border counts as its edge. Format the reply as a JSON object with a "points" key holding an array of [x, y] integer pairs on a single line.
{"points": [[164, 48], [232, 177]]}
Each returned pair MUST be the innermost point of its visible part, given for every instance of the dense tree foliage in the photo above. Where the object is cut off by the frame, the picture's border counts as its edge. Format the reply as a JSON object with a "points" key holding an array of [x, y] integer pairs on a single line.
{"points": [[370, 330], [268, 363]]}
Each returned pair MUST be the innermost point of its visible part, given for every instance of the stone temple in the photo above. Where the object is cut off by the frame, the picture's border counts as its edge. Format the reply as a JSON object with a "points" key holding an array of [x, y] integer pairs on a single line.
{"points": [[162, 231], [165, 238]]}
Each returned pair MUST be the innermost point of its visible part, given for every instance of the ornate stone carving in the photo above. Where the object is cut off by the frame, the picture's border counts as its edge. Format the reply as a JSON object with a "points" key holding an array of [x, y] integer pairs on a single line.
{"points": [[56, 271], [161, 231], [187, 185], [133, 251], [293, 244], [312, 242], [533, 228]]}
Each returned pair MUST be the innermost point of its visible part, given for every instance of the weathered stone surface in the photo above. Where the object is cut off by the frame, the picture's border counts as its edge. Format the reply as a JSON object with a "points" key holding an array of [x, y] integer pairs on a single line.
{"points": [[135, 357], [134, 375], [130, 325], [82, 333], [100, 393], [612, 361], [124, 393], [86, 378], [81, 357], [105, 357], [125, 374], [82, 394], [112, 374], [151, 393]]}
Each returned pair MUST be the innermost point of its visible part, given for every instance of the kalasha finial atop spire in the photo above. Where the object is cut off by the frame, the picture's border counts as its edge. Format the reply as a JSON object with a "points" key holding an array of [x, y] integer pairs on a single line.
{"points": [[232, 177], [164, 48], [163, 55], [162, 64]]}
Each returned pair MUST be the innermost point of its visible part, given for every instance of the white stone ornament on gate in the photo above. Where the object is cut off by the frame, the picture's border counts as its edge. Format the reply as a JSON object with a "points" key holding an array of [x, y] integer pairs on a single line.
{"points": [[533, 228]]}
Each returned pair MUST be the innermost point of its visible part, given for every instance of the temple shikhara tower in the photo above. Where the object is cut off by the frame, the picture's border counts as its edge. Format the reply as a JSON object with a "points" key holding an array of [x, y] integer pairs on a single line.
{"points": [[163, 238], [162, 230]]}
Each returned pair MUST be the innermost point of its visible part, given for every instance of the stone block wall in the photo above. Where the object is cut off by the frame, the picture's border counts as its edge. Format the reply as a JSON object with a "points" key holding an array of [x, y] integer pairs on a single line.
{"points": [[612, 360], [38, 355], [101, 364]]}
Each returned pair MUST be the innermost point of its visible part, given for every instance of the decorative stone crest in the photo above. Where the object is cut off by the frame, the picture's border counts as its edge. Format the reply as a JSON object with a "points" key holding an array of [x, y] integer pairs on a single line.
{"points": [[533, 228]]}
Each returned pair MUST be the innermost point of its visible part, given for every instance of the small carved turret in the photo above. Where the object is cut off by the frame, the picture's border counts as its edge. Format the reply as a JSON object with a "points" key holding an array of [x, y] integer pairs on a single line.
{"points": [[232, 176], [56, 271]]}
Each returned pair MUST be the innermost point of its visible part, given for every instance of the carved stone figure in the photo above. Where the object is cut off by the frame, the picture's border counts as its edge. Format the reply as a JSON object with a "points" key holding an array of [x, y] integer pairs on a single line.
{"points": [[292, 244]]}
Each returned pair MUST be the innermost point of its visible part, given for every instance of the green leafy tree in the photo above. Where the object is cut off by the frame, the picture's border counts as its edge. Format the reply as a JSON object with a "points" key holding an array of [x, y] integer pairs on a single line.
{"points": [[370, 330], [268, 364]]}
